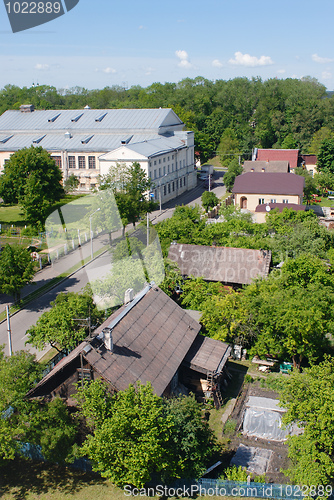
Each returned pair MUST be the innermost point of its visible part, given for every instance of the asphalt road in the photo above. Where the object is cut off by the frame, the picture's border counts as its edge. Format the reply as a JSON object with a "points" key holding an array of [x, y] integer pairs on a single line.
{"points": [[28, 316]]}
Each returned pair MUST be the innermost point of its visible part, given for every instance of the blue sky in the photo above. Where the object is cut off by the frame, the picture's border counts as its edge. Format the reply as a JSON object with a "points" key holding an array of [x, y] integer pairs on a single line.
{"points": [[138, 42]]}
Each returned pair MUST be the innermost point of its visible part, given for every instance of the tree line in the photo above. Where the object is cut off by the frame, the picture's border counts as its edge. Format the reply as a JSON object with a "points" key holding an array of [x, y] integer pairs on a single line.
{"points": [[231, 116]]}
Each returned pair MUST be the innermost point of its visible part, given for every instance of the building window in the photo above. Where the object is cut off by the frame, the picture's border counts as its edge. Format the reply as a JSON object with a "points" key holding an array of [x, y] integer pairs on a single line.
{"points": [[165, 190], [155, 173], [150, 175], [172, 167], [93, 186], [155, 194], [184, 163], [285, 201], [168, 169], [159, 160], [168, 158], [71, 162], [82, 185], [155, 162], [273, 201], [164, 170], [6, 161], [173, 187], [164, 160], [172, 157], [168, 188], [159, 171], [261, 201], [82, 162], [91, 162], [57, 160]]}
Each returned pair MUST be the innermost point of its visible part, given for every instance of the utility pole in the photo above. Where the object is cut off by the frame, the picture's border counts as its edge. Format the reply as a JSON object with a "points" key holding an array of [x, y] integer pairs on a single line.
{"points": [[147, 230], [9, 332]]}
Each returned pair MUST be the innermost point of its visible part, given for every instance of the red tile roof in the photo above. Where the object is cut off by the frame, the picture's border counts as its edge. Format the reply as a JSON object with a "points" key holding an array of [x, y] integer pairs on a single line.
{"points": [[309, 159], [290, 155], [269, 183]]}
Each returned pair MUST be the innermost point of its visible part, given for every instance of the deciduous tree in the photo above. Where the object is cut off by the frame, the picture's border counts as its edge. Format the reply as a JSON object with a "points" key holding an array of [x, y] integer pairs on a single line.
{"points": [[16, 269], [66, 323]]}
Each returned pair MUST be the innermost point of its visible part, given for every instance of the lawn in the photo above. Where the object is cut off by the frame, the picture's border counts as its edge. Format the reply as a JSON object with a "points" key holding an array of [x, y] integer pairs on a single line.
{"points": [[27, 480], [12, 214]]}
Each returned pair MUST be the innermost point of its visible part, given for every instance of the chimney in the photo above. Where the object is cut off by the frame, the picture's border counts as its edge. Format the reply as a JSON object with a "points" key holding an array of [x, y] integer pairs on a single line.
{"points": [[107, 338], [128, 296], [27, 108]]}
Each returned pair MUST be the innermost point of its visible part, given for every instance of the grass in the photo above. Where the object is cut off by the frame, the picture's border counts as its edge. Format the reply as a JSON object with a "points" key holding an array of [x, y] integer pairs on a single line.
{"points": [[27, 480], [215, 162], [12, 214]]}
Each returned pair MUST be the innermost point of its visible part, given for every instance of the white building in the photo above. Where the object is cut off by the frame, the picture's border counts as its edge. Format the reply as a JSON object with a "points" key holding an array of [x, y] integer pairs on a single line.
{"points": [[87, 142]]}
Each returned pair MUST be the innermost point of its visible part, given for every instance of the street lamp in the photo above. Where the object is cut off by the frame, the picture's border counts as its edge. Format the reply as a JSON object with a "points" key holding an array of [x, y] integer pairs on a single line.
{"points": [[91, 234]]}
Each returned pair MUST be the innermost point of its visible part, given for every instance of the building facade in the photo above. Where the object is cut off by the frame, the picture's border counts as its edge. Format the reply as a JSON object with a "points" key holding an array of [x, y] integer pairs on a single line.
{"points": [[88, 142]]}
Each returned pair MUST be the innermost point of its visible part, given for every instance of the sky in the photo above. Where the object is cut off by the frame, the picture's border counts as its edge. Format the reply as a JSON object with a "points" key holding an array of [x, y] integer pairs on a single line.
{"points": [[138, 42]]}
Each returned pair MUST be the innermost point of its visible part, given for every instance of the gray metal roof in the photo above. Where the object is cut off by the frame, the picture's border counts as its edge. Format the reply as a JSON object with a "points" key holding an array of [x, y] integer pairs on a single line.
{"points": [[99, 142], [90, 120], [157, 146]]}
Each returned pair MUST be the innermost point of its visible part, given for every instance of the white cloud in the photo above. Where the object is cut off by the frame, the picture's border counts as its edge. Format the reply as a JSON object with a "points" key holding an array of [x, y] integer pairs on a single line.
{"points": [[149, 70], [217, 64], [141, 27], [109, 70], [321, 60], [184, 59], [248, 60], [326, 75], [42, 67], [281, 71]]}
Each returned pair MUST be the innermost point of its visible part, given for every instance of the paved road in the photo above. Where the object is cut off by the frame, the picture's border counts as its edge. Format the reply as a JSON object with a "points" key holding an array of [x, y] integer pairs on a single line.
{"points": [[28, 316]]}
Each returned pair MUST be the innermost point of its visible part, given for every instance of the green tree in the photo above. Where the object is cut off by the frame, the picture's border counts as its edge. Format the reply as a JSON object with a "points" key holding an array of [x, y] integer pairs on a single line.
{"points": [[195, 291], [209, 200], [228, 147], [16, 269], [32, 179], [233, 170], [130, 186], [310, 184], [325, 158], [51, 427], [18, 373], [67, 322], [136, 435], [71, 183], [309, 399], [318, 137], [129, 445]]}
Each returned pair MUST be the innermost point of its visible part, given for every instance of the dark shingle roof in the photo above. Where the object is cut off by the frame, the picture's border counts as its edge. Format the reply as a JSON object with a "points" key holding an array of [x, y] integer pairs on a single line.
{"points": [[207, 355], [150, 342], [225, 264], [269, 183]]}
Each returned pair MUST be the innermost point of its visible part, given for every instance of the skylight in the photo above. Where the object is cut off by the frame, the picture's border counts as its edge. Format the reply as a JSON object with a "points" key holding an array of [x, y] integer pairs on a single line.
{"points": [[77, 118]]}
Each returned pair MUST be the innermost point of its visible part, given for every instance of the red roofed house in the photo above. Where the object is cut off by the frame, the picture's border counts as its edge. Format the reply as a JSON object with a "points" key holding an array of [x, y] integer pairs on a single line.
{"points": [[254, 188], [290, 155]]}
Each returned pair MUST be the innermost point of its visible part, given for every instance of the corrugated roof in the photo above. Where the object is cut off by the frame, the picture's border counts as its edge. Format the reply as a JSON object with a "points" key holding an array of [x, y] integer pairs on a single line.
{"points": [[225, 264], [267, 166], [100, 142], [290, 155], [269, 183], [114, 119]]}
